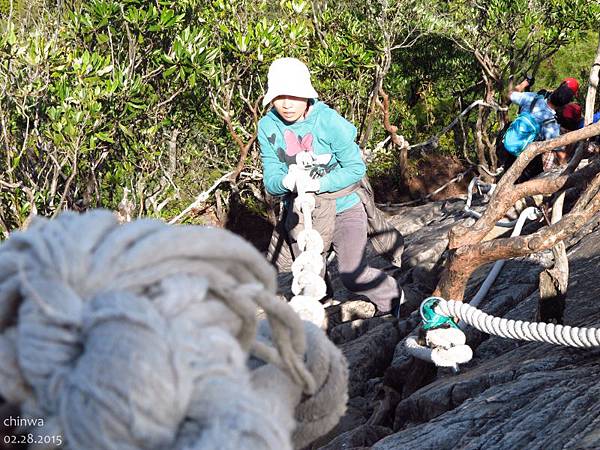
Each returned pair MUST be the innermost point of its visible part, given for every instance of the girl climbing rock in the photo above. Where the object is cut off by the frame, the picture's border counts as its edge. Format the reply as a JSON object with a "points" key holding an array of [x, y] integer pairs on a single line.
{"points": [[306, 145]]}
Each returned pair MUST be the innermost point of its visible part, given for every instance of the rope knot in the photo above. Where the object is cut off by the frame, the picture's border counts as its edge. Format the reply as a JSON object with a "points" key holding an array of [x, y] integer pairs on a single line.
{"points": [[102, 322], [444, 339], [432, 319]]}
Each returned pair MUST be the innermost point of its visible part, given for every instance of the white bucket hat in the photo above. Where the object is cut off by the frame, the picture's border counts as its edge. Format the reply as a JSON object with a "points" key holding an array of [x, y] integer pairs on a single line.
{"points": [[288, 76]]}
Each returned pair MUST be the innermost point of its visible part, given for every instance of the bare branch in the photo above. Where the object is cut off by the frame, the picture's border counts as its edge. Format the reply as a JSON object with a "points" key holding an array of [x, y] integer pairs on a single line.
{"points": [[6, 184], [170, 99], [316, 12], [467, 258], [200, 198], [67, 184], [391, 129], [507, 193]]}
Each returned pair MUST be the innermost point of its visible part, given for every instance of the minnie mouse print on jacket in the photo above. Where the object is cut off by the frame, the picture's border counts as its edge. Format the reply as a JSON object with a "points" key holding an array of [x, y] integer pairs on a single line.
{"points": [[324, 140]]}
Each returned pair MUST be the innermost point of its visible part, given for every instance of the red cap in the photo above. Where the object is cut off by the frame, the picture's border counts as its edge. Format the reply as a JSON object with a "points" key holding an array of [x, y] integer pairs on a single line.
{"points": [[573, 84]]}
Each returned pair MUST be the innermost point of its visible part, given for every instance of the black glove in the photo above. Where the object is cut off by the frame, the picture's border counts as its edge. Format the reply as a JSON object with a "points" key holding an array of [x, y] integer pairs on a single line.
{"points": [[530, 80]]}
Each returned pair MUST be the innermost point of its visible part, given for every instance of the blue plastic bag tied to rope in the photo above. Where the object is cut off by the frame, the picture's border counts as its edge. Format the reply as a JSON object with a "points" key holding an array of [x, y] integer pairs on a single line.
{"points": [[431, 319]]}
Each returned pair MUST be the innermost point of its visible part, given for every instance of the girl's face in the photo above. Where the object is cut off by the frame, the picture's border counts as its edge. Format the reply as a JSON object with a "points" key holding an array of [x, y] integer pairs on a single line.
{"points": [[290, 108]]}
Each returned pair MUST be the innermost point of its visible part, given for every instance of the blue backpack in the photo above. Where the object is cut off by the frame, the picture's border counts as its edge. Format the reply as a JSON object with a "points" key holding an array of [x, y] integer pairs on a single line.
{"points": [[522, 131]]}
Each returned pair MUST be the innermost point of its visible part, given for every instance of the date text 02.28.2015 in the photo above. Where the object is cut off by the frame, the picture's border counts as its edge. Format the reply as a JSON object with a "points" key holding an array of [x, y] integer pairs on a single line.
{"points": [[32, 439]]}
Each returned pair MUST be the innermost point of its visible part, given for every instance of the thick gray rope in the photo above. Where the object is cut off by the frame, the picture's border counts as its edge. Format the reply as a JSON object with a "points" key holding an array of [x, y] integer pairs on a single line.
{"points": [[137, 336], [518, 329]]}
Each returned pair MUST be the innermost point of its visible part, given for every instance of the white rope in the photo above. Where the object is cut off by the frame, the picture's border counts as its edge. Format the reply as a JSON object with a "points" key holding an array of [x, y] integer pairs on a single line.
{"points": [[487, 188], [517, 329], [457, 178], [139, 336], [450, 356], [308, 286], [448, 351], [498, 171], [445, 350], [435, 139]]}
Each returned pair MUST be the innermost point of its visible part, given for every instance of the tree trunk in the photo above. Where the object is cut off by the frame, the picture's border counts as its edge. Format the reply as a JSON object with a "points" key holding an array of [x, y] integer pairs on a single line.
{"points": [[554, 282], [486, 152], [507, 193], [592, 87], [467, 258], [467, 250]]}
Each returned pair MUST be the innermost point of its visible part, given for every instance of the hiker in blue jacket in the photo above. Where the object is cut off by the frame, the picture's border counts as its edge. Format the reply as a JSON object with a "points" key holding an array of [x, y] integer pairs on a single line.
{"points": [[544, 112], [301, 130]]}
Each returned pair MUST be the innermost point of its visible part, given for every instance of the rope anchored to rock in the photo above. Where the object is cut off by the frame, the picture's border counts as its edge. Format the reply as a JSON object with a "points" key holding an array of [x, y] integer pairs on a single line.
{"points": [[447, 345], [145, 336], [445, 341]]}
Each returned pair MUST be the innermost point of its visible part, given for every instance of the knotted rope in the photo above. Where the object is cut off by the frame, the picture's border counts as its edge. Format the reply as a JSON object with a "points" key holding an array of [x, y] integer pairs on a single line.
{"points": [[138, 336], [446, 347], [445, 342], [308, 286]]}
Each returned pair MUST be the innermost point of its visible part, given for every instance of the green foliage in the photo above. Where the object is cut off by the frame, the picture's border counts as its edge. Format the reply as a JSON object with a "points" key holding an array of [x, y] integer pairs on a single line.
{"points": [[103, 95], [572, 60], [513, 36]]}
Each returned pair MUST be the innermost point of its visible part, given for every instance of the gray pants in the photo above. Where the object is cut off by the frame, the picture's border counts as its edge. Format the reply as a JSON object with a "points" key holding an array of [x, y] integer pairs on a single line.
{"points": [[349, 244]]}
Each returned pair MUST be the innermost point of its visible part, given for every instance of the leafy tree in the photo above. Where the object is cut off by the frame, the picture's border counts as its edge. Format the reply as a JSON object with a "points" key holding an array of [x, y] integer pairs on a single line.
{"points": [[157, 101], [512, 38]]}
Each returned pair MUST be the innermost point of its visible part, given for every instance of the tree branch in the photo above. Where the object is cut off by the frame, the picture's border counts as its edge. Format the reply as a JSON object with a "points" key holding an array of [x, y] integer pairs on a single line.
{"points": [[433, 141], [507, 193], [200, 198], [467, 258]]}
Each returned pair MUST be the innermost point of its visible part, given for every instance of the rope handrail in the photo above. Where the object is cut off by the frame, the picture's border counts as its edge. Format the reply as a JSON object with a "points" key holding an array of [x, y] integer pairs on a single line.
{"points": [[489, 187], [308, 286], [435, 139], [583, 337], [456, 179]]}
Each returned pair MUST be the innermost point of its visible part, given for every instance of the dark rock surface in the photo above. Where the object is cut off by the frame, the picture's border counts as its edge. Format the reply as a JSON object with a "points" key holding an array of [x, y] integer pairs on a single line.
{"points": [[369, 355], [511, 395], [361, 437]]}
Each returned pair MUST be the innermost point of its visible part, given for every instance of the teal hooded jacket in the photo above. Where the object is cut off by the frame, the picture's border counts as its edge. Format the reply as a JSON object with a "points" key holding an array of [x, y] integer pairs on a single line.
{"points": [[323, 132]]}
